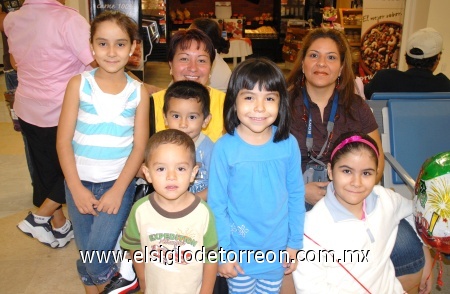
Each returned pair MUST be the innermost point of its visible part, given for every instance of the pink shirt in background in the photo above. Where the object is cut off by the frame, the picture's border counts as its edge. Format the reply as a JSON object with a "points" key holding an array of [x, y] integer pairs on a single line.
{"points": [[50, 43]]}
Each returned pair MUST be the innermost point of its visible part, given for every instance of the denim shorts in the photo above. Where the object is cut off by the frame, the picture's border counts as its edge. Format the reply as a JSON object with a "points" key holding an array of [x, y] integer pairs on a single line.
{"points": [[98, 233], [407, 255]]}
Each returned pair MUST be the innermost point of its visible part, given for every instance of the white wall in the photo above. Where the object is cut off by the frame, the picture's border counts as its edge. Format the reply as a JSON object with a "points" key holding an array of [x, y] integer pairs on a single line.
{"points": [[428, 13], [438, 19], [80, 5]]}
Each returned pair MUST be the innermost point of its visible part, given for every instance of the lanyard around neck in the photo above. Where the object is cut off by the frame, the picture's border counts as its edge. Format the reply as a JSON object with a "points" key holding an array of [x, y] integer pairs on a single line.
{"points": [[330, 125]]}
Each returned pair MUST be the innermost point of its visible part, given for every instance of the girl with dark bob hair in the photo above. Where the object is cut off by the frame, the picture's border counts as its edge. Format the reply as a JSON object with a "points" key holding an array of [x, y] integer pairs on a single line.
{"points": [[266, 75], [255, 186]]}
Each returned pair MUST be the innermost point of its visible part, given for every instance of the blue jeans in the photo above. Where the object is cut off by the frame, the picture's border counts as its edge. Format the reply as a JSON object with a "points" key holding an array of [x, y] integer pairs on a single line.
{"points": [[407, 254], [11, 85], [98, 233], [11, 80]]}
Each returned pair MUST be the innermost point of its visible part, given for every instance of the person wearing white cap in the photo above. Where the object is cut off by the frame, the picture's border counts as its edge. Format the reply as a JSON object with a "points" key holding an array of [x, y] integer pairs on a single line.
{"points": [[423, 52]]}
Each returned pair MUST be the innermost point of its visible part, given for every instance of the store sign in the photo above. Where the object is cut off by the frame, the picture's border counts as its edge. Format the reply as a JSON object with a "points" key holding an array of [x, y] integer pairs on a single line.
{"points": [[382, 29], [129, 7]]}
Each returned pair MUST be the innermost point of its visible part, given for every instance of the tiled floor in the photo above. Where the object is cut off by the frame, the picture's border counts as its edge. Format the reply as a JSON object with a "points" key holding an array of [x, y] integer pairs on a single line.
{"points": [[25, 265]]}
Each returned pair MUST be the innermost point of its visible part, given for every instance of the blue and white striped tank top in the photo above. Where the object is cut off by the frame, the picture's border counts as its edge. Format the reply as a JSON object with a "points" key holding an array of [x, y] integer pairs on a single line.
{"points": [[104, 131]]}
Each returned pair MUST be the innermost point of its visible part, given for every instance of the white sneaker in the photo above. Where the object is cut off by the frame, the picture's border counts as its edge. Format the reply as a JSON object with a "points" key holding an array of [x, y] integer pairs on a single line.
{"points": [[42, 232], [64, 238]]}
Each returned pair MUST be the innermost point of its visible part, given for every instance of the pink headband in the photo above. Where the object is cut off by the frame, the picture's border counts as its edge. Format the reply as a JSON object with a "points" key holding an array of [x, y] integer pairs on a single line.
{"points": [[351, 140]]}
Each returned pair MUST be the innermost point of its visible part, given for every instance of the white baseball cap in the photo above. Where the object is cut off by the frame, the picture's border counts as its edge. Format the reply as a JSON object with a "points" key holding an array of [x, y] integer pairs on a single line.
{"points": [[428, 40]]}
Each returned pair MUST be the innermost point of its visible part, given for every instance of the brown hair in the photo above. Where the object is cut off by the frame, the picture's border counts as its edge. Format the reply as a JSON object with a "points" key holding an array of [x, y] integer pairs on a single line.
{"points": [[170, 136], [346, 88], [212, 29], [123, 21], [183, 40]]}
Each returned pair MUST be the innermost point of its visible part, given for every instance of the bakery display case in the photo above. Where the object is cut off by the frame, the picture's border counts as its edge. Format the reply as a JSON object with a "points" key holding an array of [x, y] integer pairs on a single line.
{"points": [[295, 33], [351, 21], [154, 12]]}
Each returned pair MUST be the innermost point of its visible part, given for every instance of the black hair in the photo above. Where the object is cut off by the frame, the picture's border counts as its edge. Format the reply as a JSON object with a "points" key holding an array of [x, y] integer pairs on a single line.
{"points": [[267, 75], [170, 136], [122, 20], [354, 145], [427, 63], [188, 90], [212, 29], [183, 39]]}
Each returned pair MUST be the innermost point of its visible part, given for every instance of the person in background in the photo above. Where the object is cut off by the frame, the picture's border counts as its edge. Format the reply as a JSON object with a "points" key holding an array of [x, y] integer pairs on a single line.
{"points": [[357, 216], [220, 71], [191, 55], [46, 58], [11, 82], [103, 130], [172, 219], [423, 53], [8, 68], [255, 187], [324, 106]]}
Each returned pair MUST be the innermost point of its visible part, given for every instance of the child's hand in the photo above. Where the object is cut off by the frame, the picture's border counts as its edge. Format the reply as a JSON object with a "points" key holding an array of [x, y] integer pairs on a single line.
{"points": [[85, 201], [291, 264], [230, 270], [110, 201]]}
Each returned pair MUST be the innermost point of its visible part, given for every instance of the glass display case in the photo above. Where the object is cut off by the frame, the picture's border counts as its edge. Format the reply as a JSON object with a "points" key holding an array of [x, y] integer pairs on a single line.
{"points": [[155, 11]]}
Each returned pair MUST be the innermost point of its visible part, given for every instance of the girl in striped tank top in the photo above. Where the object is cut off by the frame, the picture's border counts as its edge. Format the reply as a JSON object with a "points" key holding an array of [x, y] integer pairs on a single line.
{"points": [[102, 133]]}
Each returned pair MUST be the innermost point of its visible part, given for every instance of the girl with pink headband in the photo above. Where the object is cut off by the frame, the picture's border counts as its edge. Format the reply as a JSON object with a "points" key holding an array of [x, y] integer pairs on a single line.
{"points": [[350, 233]]}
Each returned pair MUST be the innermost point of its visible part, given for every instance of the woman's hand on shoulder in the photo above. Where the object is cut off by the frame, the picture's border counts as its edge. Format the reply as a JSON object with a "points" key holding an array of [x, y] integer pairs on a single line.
{"points": [[315, 191]]}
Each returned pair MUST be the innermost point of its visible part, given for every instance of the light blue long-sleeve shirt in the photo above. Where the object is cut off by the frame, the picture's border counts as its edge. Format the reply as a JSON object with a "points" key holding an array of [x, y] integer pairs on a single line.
{"points": [[257, 196]]}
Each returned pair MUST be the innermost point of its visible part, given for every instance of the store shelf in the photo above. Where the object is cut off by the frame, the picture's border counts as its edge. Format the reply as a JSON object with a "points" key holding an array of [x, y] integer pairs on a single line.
{"points": [[351, 20], [293, 43], [352, 27], [346, 12]]}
